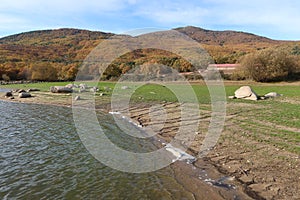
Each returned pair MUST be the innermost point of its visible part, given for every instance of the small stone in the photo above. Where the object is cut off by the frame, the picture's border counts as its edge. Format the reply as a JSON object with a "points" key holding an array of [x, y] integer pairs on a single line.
{"points": [[77, 98]]}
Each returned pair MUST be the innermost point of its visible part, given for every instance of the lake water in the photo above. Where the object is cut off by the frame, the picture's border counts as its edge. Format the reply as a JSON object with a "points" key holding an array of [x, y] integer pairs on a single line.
{"points": [[4, 90], [42, 157]]}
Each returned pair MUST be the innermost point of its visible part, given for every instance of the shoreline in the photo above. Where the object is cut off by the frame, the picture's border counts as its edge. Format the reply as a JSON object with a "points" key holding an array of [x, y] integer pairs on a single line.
{"points": [[185, 174]]}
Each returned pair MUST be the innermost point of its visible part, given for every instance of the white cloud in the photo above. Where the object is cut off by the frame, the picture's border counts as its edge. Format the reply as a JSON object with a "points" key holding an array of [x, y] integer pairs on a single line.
{"points": [[55, 6], [177, 15]]}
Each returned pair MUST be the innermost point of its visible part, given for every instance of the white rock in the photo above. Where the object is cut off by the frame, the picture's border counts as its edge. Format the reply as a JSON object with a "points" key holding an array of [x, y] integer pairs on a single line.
{"points": [[245, 92]]}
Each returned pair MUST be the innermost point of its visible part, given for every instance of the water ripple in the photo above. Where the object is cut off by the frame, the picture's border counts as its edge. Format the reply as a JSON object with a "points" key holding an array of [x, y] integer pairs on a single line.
{"points": [[41, 157]]}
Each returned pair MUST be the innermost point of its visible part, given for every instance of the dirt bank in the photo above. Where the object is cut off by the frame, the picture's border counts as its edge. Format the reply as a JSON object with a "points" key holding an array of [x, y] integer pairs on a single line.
{"points": [[252, 157]]}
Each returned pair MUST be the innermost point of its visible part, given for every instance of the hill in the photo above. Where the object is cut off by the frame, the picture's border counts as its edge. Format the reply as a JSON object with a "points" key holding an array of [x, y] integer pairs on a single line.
{"points": [[229, 46], [29, 55]]}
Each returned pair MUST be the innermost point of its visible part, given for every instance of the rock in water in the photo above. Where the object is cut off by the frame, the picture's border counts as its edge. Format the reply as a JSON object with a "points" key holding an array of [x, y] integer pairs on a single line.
{"points": [[8, 94], [24, 95], [245, 92]]}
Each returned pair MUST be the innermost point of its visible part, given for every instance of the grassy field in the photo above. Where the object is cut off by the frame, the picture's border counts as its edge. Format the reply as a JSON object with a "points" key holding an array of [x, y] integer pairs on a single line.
{"points": [[260, 144], [261, 117]]}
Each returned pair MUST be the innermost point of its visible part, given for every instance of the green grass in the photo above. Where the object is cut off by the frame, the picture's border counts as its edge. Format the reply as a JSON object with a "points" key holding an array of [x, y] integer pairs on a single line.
{"points": [[43, 86], [283, 111]]}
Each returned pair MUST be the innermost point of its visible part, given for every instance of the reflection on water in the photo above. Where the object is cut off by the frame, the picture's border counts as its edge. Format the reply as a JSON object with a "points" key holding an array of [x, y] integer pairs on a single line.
{"points": [[41, 157]]}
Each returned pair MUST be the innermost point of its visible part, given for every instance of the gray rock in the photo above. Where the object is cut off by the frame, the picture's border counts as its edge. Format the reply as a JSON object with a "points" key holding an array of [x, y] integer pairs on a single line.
{"points": [[24, 95], [33, 90], [245, 92], [272, 95], [60, 89]]}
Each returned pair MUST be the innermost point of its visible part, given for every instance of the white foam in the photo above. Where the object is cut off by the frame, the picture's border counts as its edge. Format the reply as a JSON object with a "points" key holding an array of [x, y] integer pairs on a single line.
{"points": [[180, 154], [114, 113]]}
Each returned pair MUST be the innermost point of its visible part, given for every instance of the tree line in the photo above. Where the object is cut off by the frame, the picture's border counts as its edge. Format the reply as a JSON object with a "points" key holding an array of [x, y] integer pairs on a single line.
{"points": [[264, 65]]}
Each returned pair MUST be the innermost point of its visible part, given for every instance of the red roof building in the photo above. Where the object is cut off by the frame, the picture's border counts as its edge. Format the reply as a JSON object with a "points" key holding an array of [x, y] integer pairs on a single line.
{"points": [[226, 68]]}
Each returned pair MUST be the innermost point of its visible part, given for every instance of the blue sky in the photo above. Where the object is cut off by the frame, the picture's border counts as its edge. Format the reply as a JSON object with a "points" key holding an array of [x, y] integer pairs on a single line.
{"points": [[271, 18]]}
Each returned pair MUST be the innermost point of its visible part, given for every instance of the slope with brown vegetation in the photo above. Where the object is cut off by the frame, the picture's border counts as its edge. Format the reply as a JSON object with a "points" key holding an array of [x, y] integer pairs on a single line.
{"points": [[229, 46]]}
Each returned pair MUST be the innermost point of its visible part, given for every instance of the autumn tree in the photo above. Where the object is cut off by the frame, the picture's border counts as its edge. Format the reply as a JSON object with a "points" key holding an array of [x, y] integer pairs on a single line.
{"points": [[43, 72]]}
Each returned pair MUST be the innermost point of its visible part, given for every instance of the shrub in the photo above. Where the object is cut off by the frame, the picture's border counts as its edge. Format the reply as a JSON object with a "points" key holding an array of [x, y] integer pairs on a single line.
{"points": [[270, 65]]}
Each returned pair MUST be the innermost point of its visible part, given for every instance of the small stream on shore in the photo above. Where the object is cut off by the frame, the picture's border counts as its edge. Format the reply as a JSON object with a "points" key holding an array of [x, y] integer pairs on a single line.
{"points": [[42, 157]]}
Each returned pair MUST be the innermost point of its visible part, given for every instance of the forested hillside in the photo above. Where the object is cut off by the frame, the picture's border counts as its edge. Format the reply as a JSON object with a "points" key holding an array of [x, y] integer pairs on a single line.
{"points": [[57, 54]]}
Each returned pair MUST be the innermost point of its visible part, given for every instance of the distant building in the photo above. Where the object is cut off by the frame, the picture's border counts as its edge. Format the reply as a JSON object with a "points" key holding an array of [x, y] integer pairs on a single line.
{"points": [[226, 68]]}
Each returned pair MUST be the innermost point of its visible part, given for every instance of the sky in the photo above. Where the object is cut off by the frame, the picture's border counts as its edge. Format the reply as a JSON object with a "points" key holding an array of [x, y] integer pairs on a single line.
{"points": [[275, 19]]}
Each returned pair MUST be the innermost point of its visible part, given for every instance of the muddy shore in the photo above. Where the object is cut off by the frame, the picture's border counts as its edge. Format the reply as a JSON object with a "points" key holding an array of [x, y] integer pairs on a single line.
{"points": [[257, 170]]}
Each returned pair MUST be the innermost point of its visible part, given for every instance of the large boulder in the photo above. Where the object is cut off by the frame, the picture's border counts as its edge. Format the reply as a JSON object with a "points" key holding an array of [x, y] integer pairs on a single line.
{"points": [[24, 95], [245, 92], [60, 89]]}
